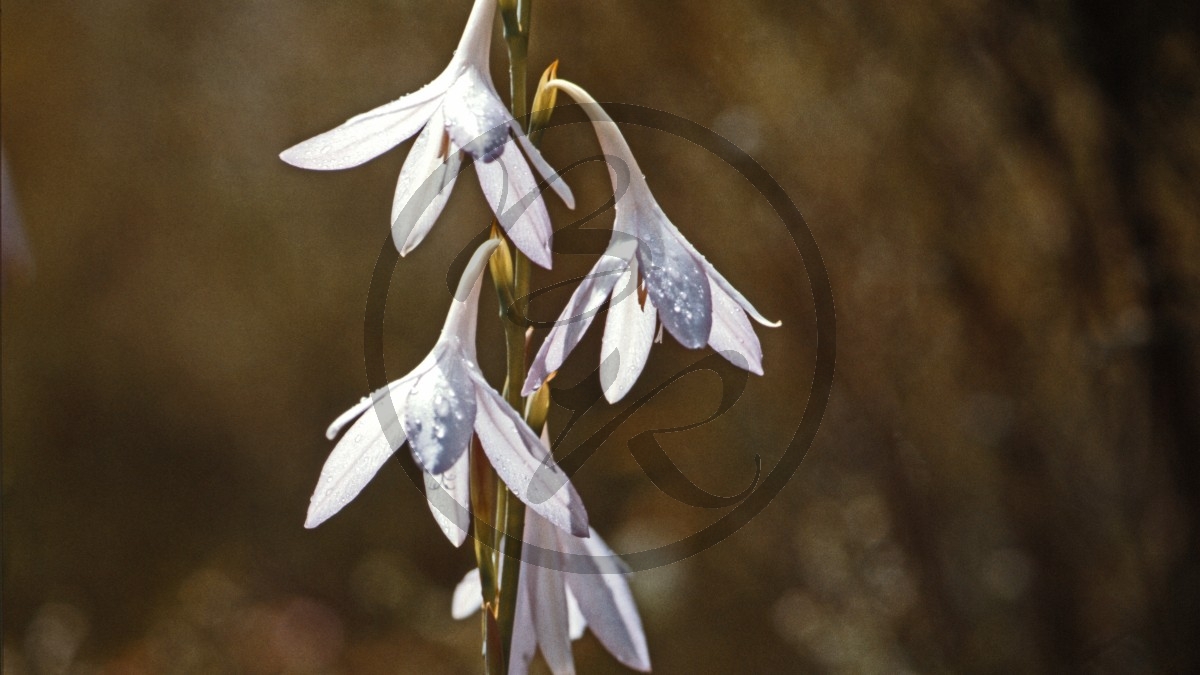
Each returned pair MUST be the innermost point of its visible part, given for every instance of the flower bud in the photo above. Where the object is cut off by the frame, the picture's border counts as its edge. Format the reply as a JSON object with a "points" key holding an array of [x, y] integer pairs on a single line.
{"points": [[543, 100], [537, 407], [501, 266]]}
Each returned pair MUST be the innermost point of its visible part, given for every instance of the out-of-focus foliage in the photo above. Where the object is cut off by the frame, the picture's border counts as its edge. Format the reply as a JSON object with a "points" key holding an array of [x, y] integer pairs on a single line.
{"points": [[1006, 196]]}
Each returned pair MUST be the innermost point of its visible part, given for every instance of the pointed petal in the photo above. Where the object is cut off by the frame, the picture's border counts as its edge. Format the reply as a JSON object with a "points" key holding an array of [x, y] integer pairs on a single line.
{"points": [[524, 464], [543, 167], [674, 279], [366, 136], [732, 335], [738, 297], [349, 416], [425, 184], [524, 636], [549, 600], [362, 451], [468, 596], [628, 335], [449, 496], [718, 279], [511, 191], [605, 600], [576, 624], [575, 318], [439, 411]]}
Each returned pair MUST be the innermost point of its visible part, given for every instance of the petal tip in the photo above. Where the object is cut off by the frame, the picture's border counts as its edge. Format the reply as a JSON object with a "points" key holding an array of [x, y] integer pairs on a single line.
{"points": [[453, 532], [297, 157], [568, 197], [544, 259], [579, 519], [614, 394], [314, 519]]}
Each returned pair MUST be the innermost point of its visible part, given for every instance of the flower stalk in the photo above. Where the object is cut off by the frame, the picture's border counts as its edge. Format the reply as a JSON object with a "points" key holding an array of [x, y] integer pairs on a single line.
{"points": [[511, 277]]}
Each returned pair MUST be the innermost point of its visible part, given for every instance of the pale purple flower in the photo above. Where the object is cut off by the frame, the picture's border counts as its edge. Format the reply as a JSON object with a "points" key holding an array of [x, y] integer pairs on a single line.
{"points": [[651, 276], [437, 408], [459, 111], [567, 585]]}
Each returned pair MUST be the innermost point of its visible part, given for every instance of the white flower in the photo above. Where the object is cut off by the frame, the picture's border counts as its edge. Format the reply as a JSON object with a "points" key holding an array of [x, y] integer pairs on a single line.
{"points": [[459, 111], [653, 275], [436, 408], [567, 585]]}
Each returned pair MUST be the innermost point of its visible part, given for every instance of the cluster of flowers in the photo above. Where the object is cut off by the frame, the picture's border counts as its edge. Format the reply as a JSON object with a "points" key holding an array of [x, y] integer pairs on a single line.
{"points": [[651, 277]]}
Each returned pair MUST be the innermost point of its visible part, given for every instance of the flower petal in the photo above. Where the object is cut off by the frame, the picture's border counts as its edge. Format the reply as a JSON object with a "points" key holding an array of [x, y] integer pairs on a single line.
{"points": [[511, 191], [628, 335], [366, 136], [524, 636], [425, 184], [362, 451], [439, 411], [605, 599], [350, 415], [543, 167], [524, 464], [575, 318], [732, 335], [548, 597], [576, 624], [449, 496], [720, 281], [674, 279], [468, 596]]}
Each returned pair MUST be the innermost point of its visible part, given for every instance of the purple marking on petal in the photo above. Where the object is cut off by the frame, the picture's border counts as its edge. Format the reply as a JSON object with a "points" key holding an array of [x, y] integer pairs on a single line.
{"points": [[440, 412], [675, 280]]}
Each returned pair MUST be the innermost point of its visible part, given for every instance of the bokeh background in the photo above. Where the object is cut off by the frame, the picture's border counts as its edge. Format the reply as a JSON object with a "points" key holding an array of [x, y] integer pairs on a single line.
{"points": [[1006, 197]]}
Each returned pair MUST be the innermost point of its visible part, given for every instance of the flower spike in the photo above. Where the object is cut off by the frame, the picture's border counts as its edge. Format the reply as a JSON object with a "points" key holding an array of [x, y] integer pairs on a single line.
{"points": [[652, 277], [458, 112]]}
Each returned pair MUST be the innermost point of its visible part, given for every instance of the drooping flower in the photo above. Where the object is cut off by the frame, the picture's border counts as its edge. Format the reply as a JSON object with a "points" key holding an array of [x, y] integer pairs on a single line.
{"points": [[652, 276], [459, 111], [437, 408], [567, 585]]}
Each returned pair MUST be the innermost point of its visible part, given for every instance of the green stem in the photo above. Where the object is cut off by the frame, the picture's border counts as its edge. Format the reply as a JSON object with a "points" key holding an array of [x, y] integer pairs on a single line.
{"points": [[510, 512]]}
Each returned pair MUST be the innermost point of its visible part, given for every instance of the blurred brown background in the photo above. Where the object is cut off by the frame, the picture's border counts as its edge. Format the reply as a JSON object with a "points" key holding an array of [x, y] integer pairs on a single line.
{"points": [[1005, 194]]}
